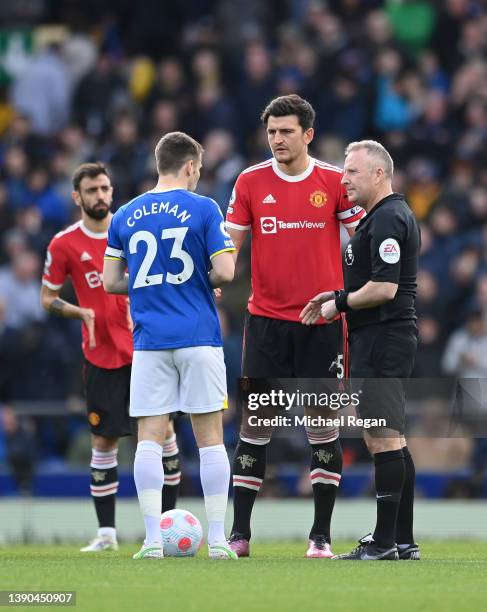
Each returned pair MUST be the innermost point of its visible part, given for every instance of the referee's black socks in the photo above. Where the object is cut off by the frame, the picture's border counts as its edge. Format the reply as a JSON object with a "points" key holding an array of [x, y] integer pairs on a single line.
{"points": [[404, 530], [389, 482]]}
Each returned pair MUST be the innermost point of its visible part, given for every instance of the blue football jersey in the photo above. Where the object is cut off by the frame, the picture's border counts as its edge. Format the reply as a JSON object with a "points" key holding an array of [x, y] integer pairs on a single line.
{"points": [[167, 240]]}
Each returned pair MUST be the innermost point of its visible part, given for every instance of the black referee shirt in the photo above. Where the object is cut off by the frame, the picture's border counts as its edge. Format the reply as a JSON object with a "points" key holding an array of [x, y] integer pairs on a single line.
{"points": [[384, 248]]}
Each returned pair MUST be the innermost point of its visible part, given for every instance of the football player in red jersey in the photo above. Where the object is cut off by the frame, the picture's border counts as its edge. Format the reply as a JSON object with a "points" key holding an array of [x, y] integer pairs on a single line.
{"points": [[77, 252], [293, 204]]}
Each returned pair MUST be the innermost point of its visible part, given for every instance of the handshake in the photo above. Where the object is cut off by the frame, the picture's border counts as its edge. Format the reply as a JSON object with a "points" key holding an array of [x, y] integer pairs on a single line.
{"points": [[328, 305]]}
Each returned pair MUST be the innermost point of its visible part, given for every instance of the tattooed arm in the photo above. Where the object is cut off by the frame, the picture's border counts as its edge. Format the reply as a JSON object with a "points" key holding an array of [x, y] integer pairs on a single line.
{"points": [[51, 302]]}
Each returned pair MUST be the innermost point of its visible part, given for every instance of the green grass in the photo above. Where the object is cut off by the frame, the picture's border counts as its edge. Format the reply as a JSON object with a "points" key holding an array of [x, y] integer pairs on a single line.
{"points": [[451, 576]]}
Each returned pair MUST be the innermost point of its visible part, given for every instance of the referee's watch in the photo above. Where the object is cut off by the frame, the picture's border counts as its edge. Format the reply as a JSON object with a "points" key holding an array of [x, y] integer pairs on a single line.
{"points": [[341, 301]]}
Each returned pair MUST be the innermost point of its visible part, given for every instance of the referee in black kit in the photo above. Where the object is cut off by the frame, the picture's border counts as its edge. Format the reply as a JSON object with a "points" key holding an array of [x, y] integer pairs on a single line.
{"points": [[380, 265]]}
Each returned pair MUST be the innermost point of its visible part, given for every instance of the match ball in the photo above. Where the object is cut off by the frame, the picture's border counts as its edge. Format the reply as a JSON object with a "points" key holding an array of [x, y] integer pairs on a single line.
{"points": [[182, 533]]}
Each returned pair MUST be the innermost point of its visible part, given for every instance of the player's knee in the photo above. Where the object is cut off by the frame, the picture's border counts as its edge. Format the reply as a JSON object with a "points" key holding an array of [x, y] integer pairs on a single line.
{"points": [[102, 444], [207, 429], [322, 435], [152, 428], [382, 440]]}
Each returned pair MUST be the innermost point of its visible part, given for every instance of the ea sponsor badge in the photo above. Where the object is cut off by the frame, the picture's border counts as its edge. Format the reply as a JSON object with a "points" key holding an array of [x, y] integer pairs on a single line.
{"points": [[390, 251], [349, 255]]}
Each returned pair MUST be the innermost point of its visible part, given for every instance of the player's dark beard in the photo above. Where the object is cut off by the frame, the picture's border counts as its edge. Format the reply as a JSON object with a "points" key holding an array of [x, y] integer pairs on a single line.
{"points": [[97, 212]]}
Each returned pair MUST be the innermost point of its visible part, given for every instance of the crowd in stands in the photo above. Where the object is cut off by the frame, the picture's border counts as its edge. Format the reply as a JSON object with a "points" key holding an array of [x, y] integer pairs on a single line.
{"points": [[93, 82]]}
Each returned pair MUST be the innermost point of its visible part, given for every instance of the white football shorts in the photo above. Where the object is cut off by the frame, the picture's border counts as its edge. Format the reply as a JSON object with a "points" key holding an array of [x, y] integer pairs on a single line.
{"points": [[191, 379]]}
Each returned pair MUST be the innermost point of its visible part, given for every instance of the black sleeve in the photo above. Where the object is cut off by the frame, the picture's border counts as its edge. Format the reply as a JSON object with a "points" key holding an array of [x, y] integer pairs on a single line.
{"points": [[388, 233]]}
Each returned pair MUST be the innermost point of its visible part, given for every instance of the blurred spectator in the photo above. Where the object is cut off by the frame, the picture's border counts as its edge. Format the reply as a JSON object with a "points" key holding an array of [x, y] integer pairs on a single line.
{"points": [[20, 134], [412, 23], [126, 155], [15, 171], [221, 167], [79, 52], [256, 86], [19, 290], [430, 348], [393, 111], [99, 94], [54, 208], [431, 441], [76, 145], [213, 109], [466, 351], [21, 445], [42, 92], [165, 118], [424, 188], [170, 85]]}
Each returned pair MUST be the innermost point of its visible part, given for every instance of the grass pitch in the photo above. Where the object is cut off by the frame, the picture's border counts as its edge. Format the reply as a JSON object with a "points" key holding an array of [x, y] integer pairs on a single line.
{"points": [[451, 576]]}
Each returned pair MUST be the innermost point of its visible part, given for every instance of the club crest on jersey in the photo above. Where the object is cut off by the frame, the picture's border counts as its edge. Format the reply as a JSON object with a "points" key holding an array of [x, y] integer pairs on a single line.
{"points": [[268, 225], [349, 255], [318, 199]]}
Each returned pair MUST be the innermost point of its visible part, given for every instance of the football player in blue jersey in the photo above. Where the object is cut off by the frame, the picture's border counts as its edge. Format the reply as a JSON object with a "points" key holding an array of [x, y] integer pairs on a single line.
{"points": [[176, 250]]}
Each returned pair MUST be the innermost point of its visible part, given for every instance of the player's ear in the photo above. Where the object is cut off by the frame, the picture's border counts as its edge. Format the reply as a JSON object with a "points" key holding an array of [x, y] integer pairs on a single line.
{"points": [[76, 197], [189, 167], [308, 135]]}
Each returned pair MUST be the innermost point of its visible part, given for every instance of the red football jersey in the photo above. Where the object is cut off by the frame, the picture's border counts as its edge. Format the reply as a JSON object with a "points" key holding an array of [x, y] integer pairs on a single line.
{"points": [[295, 224], [77, 252]]}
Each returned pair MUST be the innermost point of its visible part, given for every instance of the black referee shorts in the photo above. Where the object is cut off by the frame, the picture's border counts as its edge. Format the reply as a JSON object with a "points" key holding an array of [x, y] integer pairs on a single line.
{"points": [[107, 401], [383, 352], [286, 349]]}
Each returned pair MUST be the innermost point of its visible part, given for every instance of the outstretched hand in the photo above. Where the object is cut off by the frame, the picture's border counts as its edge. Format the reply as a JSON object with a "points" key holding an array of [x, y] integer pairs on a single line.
{"points": [[312, 311]]}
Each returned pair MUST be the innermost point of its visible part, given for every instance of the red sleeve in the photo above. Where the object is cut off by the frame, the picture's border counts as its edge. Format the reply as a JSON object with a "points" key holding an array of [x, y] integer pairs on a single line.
{"points": [[56, 267], [348, 214], [239, 213]]}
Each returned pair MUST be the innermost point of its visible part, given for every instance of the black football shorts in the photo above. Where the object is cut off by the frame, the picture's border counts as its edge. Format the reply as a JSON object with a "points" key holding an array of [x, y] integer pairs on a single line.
{"points": [[274, 348], [383, 354], [107, 401]]}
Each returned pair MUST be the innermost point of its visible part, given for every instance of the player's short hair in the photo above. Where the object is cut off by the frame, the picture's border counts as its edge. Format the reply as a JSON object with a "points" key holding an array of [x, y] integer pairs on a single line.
{"points": [[376, 150], [290, 105], [175, 149], [89, 170]]}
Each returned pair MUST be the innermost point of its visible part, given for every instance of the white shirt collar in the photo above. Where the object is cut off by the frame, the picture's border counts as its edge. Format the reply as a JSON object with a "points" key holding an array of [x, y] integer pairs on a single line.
{"points": [[293, 178], [95, 235]]}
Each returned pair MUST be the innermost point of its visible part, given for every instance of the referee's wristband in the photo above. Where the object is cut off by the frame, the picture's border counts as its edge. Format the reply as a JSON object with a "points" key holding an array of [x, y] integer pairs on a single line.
{"points": [[341, 301]]}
